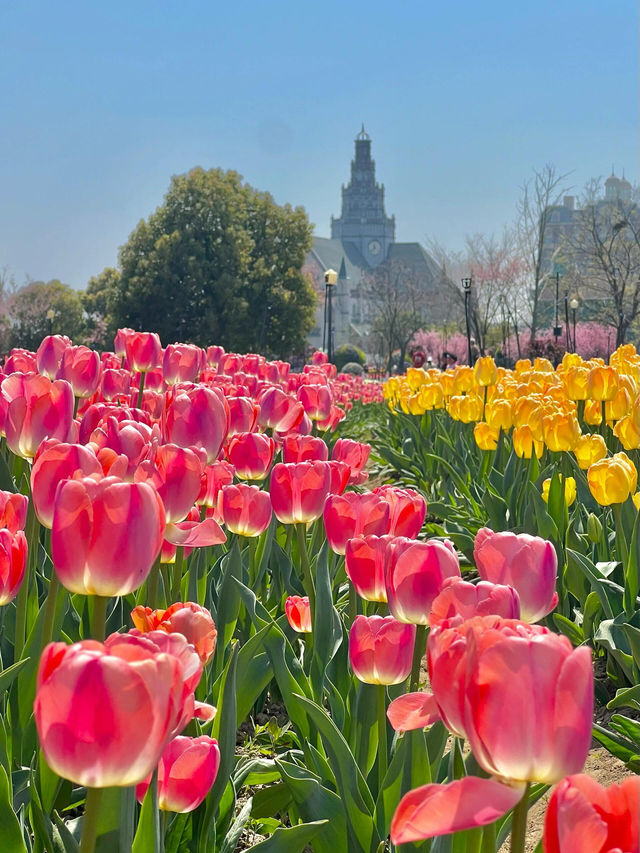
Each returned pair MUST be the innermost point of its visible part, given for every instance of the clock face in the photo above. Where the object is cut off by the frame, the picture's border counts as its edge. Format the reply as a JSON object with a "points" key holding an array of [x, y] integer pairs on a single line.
{"points": [[374, 247]]}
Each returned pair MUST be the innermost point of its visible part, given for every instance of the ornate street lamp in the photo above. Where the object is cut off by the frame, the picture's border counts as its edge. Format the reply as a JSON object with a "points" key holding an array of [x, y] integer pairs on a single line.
{"points": [[466, 286], [330, 280]]}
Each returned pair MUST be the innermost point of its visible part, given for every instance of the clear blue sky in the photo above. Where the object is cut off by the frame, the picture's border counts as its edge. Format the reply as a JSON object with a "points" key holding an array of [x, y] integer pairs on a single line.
{"points": [[101, 102]]}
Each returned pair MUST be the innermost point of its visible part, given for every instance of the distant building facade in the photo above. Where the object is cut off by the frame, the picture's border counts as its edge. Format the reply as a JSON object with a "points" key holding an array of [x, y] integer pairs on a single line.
{"points": [[362, 239]]}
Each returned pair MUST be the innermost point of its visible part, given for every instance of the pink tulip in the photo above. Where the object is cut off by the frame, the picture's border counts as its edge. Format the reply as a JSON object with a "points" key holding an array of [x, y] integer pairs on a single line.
{"points": [[13, 561], [37, 409], [335, 416], [115, 384], [143, 351], [527, 563], [407, 510], [466, 600], [182, 363], [279, 411], [316, 400], [81, 368], [298, 613], [416, 572], [120, 341], [49, 354], [105, 535], [243, 414], [304, 448], [88, 734], [355, 454], [351, 514], [13, 511], [584, 817], [340, 474], [215, 476], [381, 649], [57, 461], [244, 509], [487, 670], [186, 772], [129, 439], [299, 491], [176, 475], [20, 361], [366, 560], [191, 620], [198, 418], [251, 454]]}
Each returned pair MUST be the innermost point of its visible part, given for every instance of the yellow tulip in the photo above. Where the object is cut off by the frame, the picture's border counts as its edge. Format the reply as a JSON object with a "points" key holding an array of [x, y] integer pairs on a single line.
{"points": [[589, 449], [543, 365], [575, 381], [446, 381], [619, 406], [569, 490], [560, 431], [431, 396], [522, 365], [592, 413], [613, 480], [636, 501], [471, 408], [499, 415], [524, 444], [486, 437], [463, 379], [627, 430], [602, 383], [485, 371], [415, 377], [571, 359]]}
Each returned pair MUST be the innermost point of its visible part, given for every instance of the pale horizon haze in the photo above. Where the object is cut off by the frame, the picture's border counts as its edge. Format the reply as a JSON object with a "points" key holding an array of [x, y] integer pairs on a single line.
{"points": [[102, 103]]}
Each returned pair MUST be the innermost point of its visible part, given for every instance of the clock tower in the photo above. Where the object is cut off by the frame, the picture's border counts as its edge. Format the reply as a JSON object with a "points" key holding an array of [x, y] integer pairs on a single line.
{"points": [[363, 220]]}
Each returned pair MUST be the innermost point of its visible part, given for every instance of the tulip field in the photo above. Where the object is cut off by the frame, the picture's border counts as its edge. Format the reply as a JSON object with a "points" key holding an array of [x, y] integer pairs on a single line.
{"points": [[248, 608]]}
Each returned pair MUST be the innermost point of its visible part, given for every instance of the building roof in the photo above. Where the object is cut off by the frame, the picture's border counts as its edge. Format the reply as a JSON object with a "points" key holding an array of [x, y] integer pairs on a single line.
{"points": [[414, 255], [331, 253]]}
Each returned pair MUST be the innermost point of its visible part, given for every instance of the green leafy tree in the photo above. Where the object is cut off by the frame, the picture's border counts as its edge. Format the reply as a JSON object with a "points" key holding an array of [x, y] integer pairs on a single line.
{"points": [[45, 308], [217, 262], [97, 301]]}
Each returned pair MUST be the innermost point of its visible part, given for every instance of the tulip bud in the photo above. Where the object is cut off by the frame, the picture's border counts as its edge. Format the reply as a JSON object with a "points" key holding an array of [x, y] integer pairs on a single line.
{"points": [[298, 612], [594, 528], [381, 649]]}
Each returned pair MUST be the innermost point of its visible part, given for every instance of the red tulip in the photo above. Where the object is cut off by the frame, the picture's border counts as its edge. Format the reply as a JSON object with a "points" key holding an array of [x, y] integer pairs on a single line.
{"points": [[366, 560], [298, 613], [186, 772], [37, 409], [584, 817], [316, 400], [215, 476], [13, 560], [143, 351], [416, 572], [87, 732], [106, 535], [176, 475], [198, 418], [527, 563], [243, 414], [340, 473], [49, 354], [279, 411], [251, 454], [351, 514], [191, 620], [13, 511], [299, 491], [304, 448], [182, 363], [407, 510], [466, 600], [81, 368], [381, 649], [355, 454], [244, 509]]}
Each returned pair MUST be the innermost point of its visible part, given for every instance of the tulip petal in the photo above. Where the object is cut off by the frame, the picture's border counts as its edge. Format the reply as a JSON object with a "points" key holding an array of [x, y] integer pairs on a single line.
{"points": [[413, 711], [195, 534], [203, 711], [441, 809]]}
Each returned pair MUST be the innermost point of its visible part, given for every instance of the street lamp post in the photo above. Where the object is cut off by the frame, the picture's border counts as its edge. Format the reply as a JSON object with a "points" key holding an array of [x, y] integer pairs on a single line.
{"points": [[330, 280], [573, 304], [466, 286], [566, 320], [557, 329]]}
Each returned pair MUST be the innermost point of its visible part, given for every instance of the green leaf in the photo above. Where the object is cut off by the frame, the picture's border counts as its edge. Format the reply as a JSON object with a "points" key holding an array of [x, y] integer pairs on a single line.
{"points": [[327, 627], [626, 727], [147, 837], [293, 839], [618, 745], [626, 697], [7, 675], [228, 605], [585, 565], [232, 837], [315, 802], [632, 574], [273, 799], [11, 840], [568, 628]]}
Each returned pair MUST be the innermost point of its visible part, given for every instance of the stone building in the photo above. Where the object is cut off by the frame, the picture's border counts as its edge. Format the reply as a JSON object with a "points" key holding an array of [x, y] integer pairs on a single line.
{"points": [[362, 240]]}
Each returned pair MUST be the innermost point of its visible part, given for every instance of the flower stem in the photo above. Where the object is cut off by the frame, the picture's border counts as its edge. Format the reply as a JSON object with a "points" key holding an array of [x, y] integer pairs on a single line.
{"points": [[177, 574], [90, 820], [382, 734], [50, 608], [306, 569], [141, 389], [418, 653], [99, 617], [519, 823], [152, 584]]}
